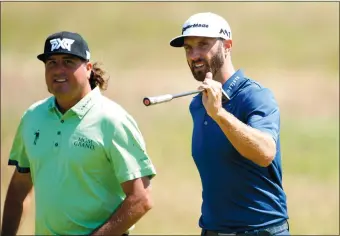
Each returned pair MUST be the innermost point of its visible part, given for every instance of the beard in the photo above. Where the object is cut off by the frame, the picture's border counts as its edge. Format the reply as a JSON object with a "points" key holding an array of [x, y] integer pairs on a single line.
{"points": [[213, 66]]}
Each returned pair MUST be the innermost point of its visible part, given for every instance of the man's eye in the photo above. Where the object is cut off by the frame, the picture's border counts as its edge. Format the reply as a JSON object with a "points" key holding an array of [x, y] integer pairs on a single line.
{"points": [[69, 62], [50, 63]]}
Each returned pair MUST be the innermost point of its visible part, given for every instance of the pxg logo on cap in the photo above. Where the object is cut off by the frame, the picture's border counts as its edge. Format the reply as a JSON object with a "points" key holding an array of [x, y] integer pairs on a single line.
{"points": [[205, 24], [61, 43], [65, 43]]}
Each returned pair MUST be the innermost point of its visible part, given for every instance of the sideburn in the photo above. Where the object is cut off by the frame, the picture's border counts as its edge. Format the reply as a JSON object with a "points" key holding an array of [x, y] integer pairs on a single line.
{"points": [[217, 60]]}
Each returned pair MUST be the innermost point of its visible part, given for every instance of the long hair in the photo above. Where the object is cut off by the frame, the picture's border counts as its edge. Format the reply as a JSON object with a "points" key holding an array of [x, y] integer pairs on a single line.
{"points": [[99, 77]]}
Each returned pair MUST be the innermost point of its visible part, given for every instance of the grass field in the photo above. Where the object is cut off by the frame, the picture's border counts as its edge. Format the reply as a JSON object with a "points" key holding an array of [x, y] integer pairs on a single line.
{"points": [[291, 48]]}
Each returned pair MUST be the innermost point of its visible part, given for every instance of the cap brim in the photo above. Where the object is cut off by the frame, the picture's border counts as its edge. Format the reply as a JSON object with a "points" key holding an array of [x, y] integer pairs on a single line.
{"points": [[177, 42], [42, 57]]}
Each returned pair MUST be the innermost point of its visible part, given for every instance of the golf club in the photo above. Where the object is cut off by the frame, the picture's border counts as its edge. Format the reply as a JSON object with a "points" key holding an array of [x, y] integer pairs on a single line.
{"points": [[148, 101]]}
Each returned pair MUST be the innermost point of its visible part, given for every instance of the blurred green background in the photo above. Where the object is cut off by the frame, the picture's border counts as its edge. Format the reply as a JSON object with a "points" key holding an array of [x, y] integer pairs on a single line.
{"points": [[291, 48]]}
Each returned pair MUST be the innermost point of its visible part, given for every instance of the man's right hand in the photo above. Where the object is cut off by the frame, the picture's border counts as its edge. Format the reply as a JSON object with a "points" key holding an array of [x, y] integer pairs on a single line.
{"points": [[19, 187], [212, 95]]}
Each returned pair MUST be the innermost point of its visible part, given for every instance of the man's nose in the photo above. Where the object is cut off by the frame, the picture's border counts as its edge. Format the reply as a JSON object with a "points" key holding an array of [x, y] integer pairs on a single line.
{"points": [[60, 67], [194, 55]]}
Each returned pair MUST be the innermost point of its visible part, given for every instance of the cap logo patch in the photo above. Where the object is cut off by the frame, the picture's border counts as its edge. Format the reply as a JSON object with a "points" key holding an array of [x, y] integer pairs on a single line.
{"points": [[225, 32], [194, 26], [61, 43]]}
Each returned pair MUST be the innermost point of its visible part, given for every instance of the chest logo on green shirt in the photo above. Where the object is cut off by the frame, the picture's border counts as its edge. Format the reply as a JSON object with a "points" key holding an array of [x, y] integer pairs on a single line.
{"points": [[84, 142], [36, 134]]}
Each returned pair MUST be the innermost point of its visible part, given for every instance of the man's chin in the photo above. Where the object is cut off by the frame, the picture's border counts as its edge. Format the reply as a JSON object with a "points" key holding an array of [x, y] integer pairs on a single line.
{"points": [[199, 76], [61, 92]]}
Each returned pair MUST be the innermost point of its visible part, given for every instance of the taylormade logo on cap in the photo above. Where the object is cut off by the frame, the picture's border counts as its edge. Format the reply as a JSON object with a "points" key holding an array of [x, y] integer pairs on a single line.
{"points": [[205, 24], [194, 26]]}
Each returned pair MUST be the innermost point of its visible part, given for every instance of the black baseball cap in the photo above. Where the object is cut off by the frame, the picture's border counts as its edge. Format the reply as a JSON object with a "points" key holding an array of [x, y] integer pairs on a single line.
{"points": [[65, 42]]}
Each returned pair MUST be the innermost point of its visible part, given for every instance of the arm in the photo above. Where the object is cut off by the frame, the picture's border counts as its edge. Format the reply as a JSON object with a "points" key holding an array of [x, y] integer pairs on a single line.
{"points": [[133, 169], [20, 184], [251, 143], [19, 187], [136, 204]]}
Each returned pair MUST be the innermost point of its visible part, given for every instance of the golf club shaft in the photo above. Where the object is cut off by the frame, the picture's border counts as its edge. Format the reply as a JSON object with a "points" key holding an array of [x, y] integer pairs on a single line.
{"points": [[148, 101]]}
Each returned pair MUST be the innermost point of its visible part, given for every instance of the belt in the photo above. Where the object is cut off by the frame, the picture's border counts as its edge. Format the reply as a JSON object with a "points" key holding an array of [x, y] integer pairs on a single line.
{"points": [[271, 230]]}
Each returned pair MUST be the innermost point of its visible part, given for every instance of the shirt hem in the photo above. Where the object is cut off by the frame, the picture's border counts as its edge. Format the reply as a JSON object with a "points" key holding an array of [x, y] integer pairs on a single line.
{"points": [[148, 171]]}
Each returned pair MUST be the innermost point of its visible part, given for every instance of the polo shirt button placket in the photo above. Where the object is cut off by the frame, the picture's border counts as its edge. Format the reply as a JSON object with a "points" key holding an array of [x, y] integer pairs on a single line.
{"points": [[56, 145], [58, 138], [205, 120]]}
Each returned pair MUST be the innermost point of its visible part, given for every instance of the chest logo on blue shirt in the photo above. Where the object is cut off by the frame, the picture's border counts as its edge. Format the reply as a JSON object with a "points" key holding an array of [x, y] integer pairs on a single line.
{"points": [[84, 142]]}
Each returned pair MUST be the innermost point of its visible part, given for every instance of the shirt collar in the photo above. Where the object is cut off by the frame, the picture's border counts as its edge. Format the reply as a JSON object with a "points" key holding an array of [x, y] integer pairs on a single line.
{"points": [[82, 107], [234, 83]]}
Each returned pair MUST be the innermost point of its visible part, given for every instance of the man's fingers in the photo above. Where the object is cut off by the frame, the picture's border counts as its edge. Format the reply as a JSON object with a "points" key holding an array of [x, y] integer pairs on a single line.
{"points": [[210, 86], [206, 88], [208, 75], [203, 86]]}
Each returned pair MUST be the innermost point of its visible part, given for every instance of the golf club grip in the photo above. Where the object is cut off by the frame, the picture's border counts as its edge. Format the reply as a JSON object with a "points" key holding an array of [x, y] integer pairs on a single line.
{"points": [[148, 101]]}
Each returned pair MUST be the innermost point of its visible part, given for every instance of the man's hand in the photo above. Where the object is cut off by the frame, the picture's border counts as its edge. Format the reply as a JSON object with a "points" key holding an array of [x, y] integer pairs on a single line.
{"points": [[212, 95]]}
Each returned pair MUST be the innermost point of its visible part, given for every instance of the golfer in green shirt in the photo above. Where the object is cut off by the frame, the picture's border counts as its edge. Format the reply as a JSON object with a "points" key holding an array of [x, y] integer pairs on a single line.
{"points": [[82, 152]]}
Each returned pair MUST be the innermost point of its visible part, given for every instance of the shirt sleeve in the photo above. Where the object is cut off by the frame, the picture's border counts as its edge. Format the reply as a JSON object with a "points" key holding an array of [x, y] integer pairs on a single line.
{"points": [[127, 152], [18, 156], [263, 112]]}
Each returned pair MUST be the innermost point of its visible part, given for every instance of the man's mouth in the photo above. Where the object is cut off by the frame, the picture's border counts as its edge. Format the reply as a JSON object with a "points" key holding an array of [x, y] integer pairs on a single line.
{"points": [[198, 65], [60, 80]]}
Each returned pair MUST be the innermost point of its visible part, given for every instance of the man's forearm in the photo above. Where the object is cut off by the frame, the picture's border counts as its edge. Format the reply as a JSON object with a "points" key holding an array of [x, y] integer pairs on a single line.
{"points": [[129, 212], [251, 143], [12, 213]]}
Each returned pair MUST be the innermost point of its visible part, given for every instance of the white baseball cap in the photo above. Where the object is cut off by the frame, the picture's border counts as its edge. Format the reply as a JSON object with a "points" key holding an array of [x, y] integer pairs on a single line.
{"points": [[204, 24]]}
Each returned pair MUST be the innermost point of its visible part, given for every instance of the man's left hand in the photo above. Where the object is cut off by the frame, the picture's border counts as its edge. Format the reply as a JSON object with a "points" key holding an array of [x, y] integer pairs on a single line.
{"points": [[211, 96]]}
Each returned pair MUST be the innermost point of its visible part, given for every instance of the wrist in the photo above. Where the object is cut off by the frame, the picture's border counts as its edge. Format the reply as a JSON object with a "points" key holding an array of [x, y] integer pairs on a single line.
{"points": [[218, 116]]}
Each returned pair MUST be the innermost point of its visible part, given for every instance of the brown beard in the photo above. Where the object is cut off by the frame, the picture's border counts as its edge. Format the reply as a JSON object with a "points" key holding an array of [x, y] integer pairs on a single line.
{"points": [[216, 62]]}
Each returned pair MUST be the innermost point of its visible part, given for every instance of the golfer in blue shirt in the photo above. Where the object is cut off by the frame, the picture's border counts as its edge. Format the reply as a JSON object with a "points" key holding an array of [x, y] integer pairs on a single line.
{"points": [[236, 137]]}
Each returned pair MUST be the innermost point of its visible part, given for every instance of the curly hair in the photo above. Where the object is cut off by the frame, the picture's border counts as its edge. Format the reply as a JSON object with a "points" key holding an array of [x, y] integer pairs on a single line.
{"points": [[98, 77]]}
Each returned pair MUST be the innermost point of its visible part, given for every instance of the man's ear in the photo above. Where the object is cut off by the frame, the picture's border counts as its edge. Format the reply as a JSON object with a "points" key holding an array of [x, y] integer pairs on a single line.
{"points": [[228, 45], [89, 67]]}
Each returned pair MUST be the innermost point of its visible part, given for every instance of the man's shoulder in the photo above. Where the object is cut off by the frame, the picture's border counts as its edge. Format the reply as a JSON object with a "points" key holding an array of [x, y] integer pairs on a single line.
{"points": [[112, 108], [254, 90], [253, 84], [254, 95], [39, 106], [112, 112]]}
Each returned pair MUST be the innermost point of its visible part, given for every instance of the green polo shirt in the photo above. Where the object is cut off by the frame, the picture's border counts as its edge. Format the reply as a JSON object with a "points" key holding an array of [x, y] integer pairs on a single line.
{"points": [[78, 161]]}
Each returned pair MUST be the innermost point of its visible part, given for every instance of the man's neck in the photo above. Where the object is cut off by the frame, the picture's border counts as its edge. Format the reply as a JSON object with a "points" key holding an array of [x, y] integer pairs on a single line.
{"points": [[225, 72], [65, 103]]}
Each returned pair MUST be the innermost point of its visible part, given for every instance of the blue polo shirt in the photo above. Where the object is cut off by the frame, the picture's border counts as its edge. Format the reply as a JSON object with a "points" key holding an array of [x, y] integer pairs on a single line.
{"points": [[238, 195]]}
